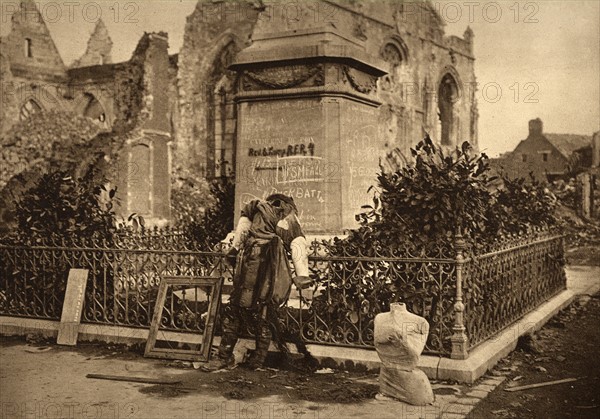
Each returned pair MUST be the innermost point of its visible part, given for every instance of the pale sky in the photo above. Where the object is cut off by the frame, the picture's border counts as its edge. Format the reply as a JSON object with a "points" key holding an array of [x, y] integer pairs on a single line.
{"points": [[533, 59]]}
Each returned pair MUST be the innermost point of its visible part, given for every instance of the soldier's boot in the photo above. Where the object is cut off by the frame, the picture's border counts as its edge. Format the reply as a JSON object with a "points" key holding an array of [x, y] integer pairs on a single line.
{"points": [[259, 355], [225, 358], [231, 329], [263, 340]]}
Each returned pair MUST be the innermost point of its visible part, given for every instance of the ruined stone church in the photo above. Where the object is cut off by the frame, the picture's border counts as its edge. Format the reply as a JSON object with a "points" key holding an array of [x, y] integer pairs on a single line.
{"points": [[188, 108]]}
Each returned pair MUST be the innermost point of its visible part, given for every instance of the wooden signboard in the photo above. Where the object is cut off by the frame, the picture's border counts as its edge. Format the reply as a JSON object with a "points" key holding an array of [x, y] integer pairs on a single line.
{"points": [[211, 288], [72, 307]]}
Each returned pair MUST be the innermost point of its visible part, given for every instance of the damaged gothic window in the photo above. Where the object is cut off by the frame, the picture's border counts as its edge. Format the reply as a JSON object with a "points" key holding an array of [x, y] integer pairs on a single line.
{"points": [[394, 51], [224, 128], [392, 54], [448, 94], [28, 48], [94, 110]]}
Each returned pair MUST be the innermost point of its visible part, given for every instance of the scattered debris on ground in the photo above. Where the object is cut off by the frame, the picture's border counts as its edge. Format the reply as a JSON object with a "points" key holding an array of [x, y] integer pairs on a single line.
{"points": [[329, 386], [37, 339], [554, 373], [582, 238]]}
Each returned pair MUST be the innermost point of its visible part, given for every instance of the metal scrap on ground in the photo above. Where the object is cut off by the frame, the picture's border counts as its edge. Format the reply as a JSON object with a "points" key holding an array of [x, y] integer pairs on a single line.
{"points": [[547, 383], [147, 380]]}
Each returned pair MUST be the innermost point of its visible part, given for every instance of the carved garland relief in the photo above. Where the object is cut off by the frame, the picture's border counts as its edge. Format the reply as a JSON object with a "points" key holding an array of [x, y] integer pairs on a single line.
{"points": [[360, 81], [291, 76], [284, 77]]}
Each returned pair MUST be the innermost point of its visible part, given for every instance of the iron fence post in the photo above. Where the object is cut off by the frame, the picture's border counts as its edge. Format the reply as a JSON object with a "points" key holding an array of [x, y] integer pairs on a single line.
{"points": [[460, 341]]}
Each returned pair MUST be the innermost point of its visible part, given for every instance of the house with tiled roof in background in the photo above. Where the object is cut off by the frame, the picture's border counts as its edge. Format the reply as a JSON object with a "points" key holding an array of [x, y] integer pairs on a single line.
{"points": [[546, 156], [570, 160]]}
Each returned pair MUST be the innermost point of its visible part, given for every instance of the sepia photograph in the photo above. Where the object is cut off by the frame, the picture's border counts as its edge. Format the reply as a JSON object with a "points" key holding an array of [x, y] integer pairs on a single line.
{"points": [[299, 209]]}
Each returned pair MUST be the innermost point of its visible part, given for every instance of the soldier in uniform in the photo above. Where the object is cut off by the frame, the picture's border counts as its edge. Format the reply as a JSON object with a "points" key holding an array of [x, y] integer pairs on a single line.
{"points": [[266, 231]]}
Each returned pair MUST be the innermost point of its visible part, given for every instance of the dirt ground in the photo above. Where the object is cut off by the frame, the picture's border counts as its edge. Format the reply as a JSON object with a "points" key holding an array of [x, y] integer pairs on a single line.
{"points": [[290, 379], [42, 380], [567, 347], [242, 384]]}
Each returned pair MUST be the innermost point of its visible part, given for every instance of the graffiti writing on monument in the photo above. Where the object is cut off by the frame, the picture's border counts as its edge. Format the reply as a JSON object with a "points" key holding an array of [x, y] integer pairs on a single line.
{"points": [[361, 157], [299, 169], [286, 150], [296, 176], [290, 150]]}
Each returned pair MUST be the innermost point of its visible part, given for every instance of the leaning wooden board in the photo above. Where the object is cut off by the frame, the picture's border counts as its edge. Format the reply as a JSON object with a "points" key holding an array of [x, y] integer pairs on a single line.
{"points": [[70, 318]]}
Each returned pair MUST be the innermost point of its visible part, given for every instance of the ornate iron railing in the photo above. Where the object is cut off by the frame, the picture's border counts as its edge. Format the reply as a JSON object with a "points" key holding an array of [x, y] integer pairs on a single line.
{"points": [[122, 281], [510, 280], [465, 299]]}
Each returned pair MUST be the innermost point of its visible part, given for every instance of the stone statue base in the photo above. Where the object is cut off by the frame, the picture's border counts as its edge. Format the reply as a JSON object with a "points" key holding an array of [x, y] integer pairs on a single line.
{"points": [[408, 386]]}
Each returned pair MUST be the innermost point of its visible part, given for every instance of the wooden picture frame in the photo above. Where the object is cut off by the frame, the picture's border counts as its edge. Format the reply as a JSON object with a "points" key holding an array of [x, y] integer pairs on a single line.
{"points": [[214, 296]]}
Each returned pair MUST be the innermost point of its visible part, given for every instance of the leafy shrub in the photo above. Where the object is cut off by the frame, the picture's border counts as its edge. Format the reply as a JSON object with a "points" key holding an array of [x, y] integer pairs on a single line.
{"points": [[440, 194], [51, 142], [520, 204], [429, 200], [60, 208], [64, 207], [217, 220], [190, 196]]}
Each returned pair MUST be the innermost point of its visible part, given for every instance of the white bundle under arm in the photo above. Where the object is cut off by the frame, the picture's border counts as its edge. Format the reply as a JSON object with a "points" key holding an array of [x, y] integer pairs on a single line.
{"points": [[241, 232], [299, 249]]}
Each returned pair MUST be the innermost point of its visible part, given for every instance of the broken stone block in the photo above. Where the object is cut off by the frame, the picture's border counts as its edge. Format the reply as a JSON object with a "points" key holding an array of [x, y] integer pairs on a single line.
{"points": [[400, 337]]}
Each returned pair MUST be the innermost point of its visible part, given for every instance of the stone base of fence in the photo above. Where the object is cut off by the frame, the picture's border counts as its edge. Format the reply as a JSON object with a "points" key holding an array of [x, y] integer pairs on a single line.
{"points": [[481, 358], [487, 354]]}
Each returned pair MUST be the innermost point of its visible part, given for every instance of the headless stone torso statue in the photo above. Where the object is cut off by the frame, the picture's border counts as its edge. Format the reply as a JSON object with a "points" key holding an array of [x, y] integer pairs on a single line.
{"points": [[400, 337]]}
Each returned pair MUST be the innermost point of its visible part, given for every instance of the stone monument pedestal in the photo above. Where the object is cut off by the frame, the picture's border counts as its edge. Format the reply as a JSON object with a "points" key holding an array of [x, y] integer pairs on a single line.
{"points": [[307, 125]]}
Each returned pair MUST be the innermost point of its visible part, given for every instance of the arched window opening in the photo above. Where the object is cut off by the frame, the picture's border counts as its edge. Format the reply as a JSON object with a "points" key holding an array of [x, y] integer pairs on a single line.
{"points": [[394, 51], [224, 127], [448, 94], [29, 108], [222, 115], [28, 48], [392, 54], [94, 110]]}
